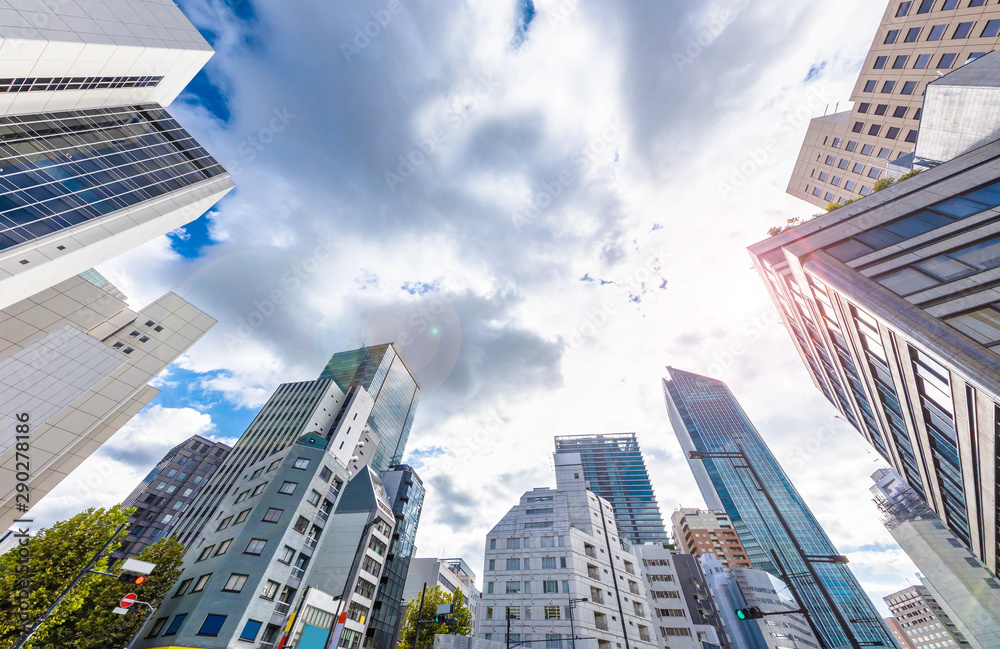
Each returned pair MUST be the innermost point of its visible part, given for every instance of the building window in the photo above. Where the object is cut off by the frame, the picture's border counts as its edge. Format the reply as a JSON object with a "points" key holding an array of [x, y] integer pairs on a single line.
{"points": [[548, 563], [909, 87], [880, 62], [963, 30], [851, 145], [288, 487], [223, 547], [891, 36], [858, 127], [157, 627], [513, 544], [862, 108], [947, 60], [892, 133], [301, 524], [835, 181], [858, 167], [904, 8], [256, 474], [982, 325], [950, 4], [251, 630], [235, 583], [553, 613], [881, 108], [270, 590], [212, 625], [255, 546], [884, 153], [314, 498], [992, 28], [550, 586], [874, 129], [242, 516], [911, 37], [823, 176], [923, 60], [258, 489], [911, 136], [183, 587], [513, 587], [201, 583], [888, 86], [224, 524], [513, 564], [272, 515], [870, 85], [489, 588], [867, 149], [844, 162], [243, 496], [175, 624], [900, 111], [829, 160], [937, 32], [273, 465], [206, 553], [301, 463], [836, 142], [874, 172], [493, 544], [492, 565]]}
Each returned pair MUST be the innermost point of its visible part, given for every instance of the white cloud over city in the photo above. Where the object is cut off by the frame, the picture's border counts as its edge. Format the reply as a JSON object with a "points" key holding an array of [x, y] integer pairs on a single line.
{"points": [[546, 216]]}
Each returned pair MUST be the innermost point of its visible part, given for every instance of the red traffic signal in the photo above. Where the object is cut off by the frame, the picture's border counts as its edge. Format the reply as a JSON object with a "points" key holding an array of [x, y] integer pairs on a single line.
{"points": [[132, 578]]}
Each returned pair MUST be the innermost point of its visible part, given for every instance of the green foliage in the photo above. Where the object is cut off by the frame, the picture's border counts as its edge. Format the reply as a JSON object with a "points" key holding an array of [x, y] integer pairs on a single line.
{"points": [[428, 626], [836, 206], [882, 183], [84, 618], [909, 174]]}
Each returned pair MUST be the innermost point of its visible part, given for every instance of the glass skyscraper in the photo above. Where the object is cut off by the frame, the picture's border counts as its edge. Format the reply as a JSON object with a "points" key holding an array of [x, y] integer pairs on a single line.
{"points": [[614, 467], [706, 417], [383, 373]]}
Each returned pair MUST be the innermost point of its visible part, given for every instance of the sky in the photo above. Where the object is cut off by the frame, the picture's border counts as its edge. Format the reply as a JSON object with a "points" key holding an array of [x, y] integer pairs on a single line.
{"points": [[549, 201]]}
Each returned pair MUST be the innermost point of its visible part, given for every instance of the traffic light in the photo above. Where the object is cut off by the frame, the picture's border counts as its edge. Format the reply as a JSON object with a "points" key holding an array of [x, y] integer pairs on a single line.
{"points": [[132, 578], [752, 613]]}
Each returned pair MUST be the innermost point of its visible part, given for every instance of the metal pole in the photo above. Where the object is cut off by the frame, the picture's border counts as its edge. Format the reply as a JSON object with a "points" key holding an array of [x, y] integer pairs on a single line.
{"points": [[507, 614], [420, 613], [572, 629], [795, 594], [25, 637], [138, 633], [798, 548]]}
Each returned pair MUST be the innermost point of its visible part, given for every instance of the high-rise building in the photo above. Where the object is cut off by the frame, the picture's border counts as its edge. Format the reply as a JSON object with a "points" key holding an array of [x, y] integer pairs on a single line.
{"points": [[616, 471], [75, 361], [405, 491], [844, 153], [167, 490], [557, 570], [897, 632], [707, 420], [890, 301], [958, 581], [921, 619], [680, 604], [736, 588], [700, 532], [382, 372], [93, 163], [387, 400]]}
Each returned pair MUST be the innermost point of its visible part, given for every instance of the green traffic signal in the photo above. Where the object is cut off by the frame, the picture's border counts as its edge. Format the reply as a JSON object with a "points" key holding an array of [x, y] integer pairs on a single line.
{"points": [[741, 613], [752, 613]]}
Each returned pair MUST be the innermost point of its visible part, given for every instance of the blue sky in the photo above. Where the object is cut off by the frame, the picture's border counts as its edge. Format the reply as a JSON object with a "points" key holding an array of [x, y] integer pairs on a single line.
{"points": [[550, 199]]}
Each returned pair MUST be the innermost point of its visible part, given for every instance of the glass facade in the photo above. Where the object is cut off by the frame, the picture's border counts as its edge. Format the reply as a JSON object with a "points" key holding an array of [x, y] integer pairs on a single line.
{"points": [[707, 418], [61, 169], [407, 493], [614, 467], [382, 372]]}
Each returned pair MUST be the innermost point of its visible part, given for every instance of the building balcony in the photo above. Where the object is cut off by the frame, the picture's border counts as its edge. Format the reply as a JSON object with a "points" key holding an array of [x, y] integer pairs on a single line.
{"points": [[265, 645], [281, 608], [297, 573], [311, 543], [322, 515]]}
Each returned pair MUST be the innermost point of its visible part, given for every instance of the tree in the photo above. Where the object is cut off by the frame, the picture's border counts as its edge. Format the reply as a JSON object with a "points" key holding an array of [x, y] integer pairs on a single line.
{"points": [[34, 574], [426, 615]]}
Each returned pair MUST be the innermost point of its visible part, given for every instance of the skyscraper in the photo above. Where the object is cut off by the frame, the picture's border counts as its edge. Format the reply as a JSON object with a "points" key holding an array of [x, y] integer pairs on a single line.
{"points": [[958, 581], [382, 372], [557, 569], [378, 393], [844, 153], [921, 619], [616, 471], [76, 361], [167, 490], [707, 419], [892, 305], [405, 492], [93, 165]]}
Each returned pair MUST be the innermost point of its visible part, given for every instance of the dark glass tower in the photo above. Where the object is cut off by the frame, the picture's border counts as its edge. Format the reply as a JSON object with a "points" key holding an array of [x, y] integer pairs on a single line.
{"points": [[614, 467], [706, 417], [406, 491], [381, 371]]}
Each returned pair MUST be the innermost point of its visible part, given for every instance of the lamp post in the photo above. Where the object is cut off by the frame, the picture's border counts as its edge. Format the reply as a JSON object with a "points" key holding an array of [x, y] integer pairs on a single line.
{"points": [[807, 559], [572, 628]]}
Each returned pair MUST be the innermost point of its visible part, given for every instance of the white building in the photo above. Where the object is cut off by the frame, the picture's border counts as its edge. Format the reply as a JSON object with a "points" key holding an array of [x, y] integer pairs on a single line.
{"points": [[922, 620], [683, 618], [449, 574], [109, 179], [76, 361], [558, 573]]}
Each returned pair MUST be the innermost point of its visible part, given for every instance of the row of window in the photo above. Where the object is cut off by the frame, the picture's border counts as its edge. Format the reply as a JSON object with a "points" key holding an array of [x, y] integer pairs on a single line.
{"points": [[515, 543], [210, 627], [548, 563], [955, 264], [892, 133], [35, 84], [938, 32], [515, 587], [925, 6]]}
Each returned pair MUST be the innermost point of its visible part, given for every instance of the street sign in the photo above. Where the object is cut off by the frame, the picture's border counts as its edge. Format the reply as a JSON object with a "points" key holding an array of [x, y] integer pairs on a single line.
{"points": [[141, 567], [127, 601], [120, 611]]}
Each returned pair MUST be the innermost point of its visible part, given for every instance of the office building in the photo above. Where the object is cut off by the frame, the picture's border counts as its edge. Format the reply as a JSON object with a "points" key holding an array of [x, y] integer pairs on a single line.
{"points": [[383, 373], [897, 632], [922, 621], [558, 571], [699, 532], [167, 490], [890, 302], [405, 492], [451, 575], [93, 163], [379, 393], [707, 419], [958, 581], [616, 471], [844, 153], [736, 588], [77, 360], [680, 604]]}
